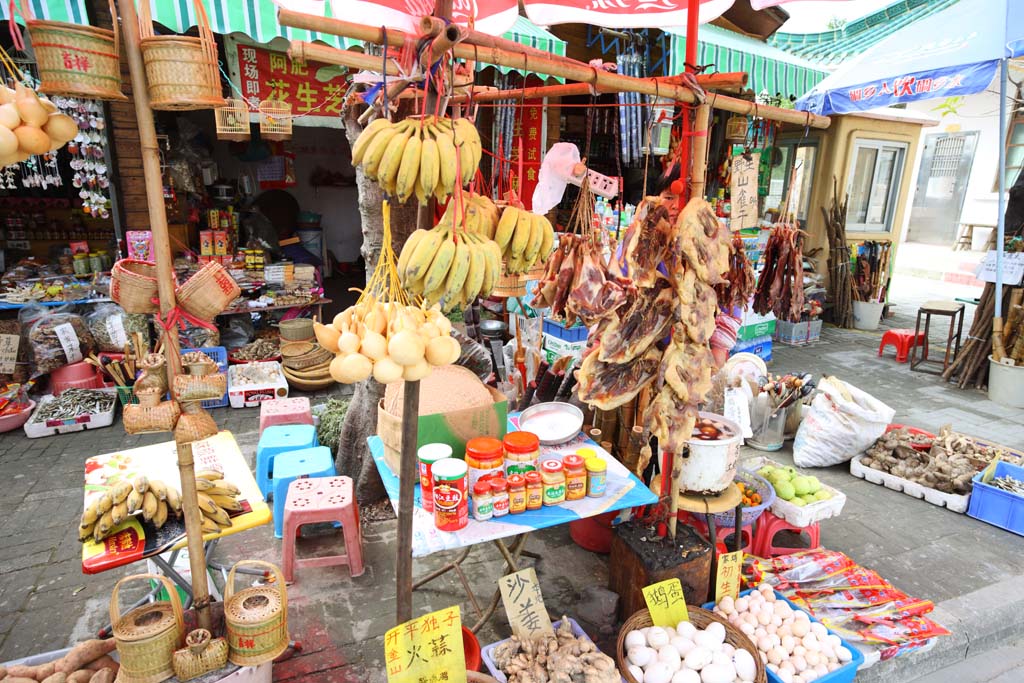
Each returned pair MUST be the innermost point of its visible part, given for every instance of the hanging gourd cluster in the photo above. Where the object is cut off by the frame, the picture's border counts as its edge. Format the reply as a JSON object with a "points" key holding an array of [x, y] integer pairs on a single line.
{"points": [[30, 124]]}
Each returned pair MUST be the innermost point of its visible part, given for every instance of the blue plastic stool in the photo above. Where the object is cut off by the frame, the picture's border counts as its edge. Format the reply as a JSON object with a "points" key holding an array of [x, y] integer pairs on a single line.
{"points": [[274, 441], [309, 462]]}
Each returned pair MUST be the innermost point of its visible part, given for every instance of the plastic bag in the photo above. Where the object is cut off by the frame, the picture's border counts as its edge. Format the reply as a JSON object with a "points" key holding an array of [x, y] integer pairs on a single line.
{"points": [[197, 337], [238, 331], [841, 422], [59, 339], [112, 328], [474, 356], [14, 361]]}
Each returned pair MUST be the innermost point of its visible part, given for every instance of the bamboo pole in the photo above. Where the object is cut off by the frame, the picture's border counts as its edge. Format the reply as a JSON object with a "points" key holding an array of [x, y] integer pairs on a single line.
{"points": [[552, 66], [406, 500], [165, 287], [569, 89], [433, 26], [699, 153], [353, 60]]}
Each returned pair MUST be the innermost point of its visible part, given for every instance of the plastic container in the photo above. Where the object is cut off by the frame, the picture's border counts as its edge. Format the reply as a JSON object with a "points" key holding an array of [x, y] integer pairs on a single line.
{"points": [[998, 507], [80, 375], [769, 429], [13, 421], [451, 494], [427, 455], [576, 333], [78, 424], [552, 473], [575, 477], [808, 514], [522, 449], [956, 503], [1006, 384], [867, 315], [727, 519], [798, 334], [249, 395], [923, 447], [711, 465], [485, 458], [759, 346], [488, 650]]}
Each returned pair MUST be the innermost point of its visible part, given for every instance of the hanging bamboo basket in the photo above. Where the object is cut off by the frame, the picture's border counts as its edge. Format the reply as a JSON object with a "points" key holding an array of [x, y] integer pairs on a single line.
{"points": [[275, 120], [182, 71], [74, 60], [233, 121]]}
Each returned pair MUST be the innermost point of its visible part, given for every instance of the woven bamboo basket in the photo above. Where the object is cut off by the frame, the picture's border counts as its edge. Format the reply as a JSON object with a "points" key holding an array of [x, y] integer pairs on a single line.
{"points": [[198, 363], [147, 636], [154, 374], [699, 618], [73, 60], [509, 286], [151, 414], [320, 383], [256, 618], [200, 387], [133, 286], [233, 121], [296, 330], [181, 71], [201, 654], [275, 120], [195, 424], [316, 356], [207, 293]]}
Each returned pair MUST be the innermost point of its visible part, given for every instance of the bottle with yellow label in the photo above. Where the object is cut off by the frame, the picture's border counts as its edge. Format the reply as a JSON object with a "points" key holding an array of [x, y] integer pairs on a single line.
{"points": [[552, 474]]}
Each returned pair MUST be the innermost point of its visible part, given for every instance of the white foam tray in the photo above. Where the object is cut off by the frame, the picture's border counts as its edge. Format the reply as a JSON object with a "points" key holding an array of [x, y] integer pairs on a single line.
{"points": [[799, 516], [249, 395], [956, 503], [81, 423]]}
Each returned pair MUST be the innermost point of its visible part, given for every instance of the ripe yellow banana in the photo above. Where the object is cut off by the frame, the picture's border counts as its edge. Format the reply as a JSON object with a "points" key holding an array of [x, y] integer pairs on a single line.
{"points": [[86, 532], [472, 221], [364, 139], [467, 169], [120, 491], [459, 269], [91, 514], [430, 165], [548, 243], [158, 488], [506, 227], [174, 500], [212, 475], [206, 504], [141, 483], [224, 488], [105, 502], [446, 159], [228, 503], [438, 270], [409, 168], [422, 256], [204, 484], [536, 238], [103, 526], [475, 276], [210, 526], [521, 236], [387, 173], [408, 248], [375, 151], [119, 513], [217, 515], [160, 517], [149, 505]]}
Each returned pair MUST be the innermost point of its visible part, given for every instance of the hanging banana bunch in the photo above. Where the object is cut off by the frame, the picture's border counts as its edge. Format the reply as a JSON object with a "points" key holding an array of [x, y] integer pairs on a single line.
{"points": [[523, 238]]}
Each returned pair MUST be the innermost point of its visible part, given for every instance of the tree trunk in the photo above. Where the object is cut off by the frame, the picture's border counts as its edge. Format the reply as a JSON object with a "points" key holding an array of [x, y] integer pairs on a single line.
{"points": [[353, 458]]}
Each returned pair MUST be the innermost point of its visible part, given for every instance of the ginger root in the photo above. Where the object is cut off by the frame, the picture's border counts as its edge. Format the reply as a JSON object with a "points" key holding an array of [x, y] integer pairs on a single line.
{"points": [[562, 659]]}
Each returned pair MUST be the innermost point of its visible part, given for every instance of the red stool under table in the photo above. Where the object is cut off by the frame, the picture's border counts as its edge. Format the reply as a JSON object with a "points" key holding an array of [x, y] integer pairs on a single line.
{"points": [[903, 340], [322, 499], [747, 537], [768, 526]]}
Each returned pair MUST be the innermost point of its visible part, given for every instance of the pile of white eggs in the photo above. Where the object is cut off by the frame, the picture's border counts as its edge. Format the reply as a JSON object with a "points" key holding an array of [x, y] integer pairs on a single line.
{"points": [[687, 654], [793, 647]]}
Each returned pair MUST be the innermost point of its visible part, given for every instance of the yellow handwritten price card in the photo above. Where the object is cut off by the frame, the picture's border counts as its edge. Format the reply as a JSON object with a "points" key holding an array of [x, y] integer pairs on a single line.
{"points": [[666, 603], [524, 605], [727, 578], [427, 649]]}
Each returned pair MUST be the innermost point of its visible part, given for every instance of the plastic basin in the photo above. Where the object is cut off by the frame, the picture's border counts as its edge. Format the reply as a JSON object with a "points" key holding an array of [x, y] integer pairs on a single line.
{"points": [[471, 649], [15, 420], [594, 533], [923, 447]]}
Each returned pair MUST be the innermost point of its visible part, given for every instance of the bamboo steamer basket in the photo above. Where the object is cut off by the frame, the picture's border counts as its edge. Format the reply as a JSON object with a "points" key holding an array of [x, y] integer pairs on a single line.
{"points": [[256, 618], [181, 71], [133, 286], [209, 292], [698, 617], [147, 636], [315, 357], [296, 330]]}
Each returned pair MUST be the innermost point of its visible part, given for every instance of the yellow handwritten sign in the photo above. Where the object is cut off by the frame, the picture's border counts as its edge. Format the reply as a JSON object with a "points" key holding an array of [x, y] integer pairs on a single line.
{"points": [[743, 191], [727, 578], [524, 605], [666, 603], [426, 649]]}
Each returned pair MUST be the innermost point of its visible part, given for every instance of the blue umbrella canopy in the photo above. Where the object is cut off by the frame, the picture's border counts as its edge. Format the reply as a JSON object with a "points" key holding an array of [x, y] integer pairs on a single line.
{"points": [[954, 52]]}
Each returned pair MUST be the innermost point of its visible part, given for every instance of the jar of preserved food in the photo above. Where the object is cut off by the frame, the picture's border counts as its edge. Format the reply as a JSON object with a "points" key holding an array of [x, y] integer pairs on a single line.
{"points": [[522, 449], [534, 491], [485, 459], [451, 494], [575, 477], [428, 454], [553, 475], [516, 494], [597, 476], [483, 502], [499, 491]]}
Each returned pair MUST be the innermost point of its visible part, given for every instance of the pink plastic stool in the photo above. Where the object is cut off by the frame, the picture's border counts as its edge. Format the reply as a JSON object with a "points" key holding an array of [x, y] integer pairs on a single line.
{"points": [[285, 411], [903, 340], [768, 525], [322, 499]]}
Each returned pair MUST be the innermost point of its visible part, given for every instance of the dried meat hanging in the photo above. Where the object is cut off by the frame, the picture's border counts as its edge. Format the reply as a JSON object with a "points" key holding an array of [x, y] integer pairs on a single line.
{"points": [[780, 288], [384, 335]]}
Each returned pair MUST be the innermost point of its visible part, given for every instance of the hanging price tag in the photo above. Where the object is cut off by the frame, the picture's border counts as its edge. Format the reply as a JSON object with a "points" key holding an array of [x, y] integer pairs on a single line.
{"points": [[524, 605], [666, 603], [727, 578], [8, 352], [426, 649], [743, 192]]}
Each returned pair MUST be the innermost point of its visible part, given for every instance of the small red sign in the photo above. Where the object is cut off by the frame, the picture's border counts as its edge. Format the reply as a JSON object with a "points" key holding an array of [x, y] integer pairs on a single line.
{"points": [[271, 75]]}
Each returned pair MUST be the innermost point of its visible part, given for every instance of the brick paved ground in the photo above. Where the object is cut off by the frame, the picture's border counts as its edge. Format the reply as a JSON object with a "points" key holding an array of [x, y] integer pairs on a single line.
{"points": [[971, 570]]}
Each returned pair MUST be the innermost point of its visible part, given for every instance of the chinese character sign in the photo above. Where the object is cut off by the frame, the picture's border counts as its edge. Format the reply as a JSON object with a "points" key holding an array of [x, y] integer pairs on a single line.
{"points": [[528, 132], [8, 352], [270, 75], [666, 603], [743, 191], [428, 648], [524, 605], [727, 578]]}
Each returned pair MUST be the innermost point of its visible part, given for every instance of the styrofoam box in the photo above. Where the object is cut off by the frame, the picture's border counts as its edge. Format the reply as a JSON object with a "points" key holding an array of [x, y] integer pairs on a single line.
{"points": [[486, 657], [78, 424], [249, 395], [800, 516], [562, 347], [956, 503]]}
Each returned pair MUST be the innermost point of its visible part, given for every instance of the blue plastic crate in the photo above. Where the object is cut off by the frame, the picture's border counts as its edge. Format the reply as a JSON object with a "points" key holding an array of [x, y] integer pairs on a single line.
{"points": [[844, 674], [759, 346], [576, 333], [220, 356], [998, 507]]}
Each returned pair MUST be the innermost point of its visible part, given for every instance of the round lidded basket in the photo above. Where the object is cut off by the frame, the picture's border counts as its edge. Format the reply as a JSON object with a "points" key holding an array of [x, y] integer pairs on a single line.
{"points": [[698, 617], [255, 618], [296, 330], [147, 636], [209, 292], [133, 286]]}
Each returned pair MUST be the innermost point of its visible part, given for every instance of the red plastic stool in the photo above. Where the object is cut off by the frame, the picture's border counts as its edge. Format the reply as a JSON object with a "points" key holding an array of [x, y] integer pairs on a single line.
{"points": [[322, 499], [285, 411], [768, 525], [903, 340], [721, 533]]}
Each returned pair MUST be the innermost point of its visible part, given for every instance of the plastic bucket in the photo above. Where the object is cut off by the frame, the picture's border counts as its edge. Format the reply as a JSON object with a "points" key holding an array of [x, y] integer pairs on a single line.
{"points": [[710, 466], [867, 315], [594, 533], [1006, 384]]}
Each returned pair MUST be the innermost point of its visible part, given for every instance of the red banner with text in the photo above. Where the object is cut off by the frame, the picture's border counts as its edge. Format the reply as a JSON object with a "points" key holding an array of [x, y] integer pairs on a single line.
{"points": [[529, 132], [270, 75]]}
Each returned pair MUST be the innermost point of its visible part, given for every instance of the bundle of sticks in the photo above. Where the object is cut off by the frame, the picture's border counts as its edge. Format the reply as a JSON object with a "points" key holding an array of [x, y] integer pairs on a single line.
{"points": [[621, 431], [871, 277], [840, 286], [123, 371]]}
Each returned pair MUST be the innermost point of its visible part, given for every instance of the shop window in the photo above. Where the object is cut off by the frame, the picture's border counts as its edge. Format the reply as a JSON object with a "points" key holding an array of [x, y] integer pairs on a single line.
{"points": [[876, 172], [792, 165], [1014, 151]]}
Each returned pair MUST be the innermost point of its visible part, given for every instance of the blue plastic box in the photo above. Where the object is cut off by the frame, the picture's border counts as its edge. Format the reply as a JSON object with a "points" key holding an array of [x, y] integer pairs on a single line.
{"points": [[844, 674], [759, 346], [576, 333], [220, 355], [998, 507]]}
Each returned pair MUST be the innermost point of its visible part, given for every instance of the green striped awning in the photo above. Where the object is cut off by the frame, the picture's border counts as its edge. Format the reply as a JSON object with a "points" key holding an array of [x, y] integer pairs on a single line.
{"points": [[255, 18], [770, 68], [71, 11], [525, 32]]}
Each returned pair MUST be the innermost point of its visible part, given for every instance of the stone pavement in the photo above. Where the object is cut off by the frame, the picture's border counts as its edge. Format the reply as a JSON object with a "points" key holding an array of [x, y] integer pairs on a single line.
{"points": [[971, 570]]}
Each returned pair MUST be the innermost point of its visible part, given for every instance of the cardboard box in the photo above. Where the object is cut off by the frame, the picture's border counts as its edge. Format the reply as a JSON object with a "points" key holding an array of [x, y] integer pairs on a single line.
{"points": [[764, 328], [206, 242], [561, 347], [454, 428], [220, 242]]}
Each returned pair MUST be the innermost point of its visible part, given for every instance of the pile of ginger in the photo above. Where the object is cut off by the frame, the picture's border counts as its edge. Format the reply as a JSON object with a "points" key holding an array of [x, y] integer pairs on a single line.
{"points": [[562, 659]]}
